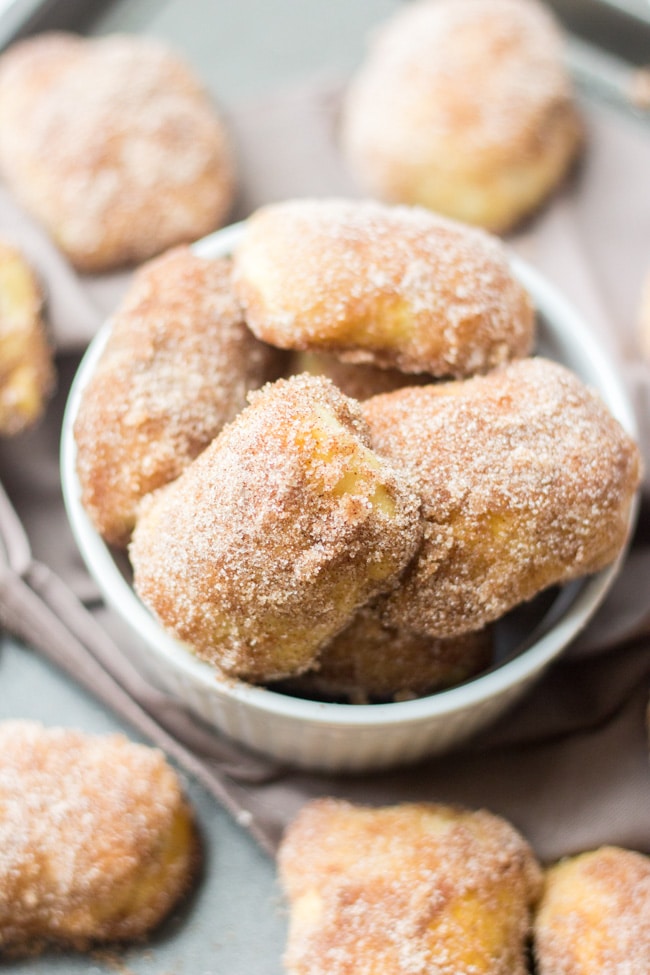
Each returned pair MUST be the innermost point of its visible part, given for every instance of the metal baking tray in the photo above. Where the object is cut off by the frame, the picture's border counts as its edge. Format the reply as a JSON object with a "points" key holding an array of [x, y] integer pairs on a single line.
{"points": [[236, 923]]}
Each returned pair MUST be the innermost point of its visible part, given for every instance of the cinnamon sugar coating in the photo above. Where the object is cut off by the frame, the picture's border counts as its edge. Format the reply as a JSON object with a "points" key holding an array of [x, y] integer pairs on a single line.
{"points": [[466, 108], [113, 144], [26, 359], [277, 533], [395, 287], [177, 367], [595, 915], [97, 842], [372, 661], [414, 888], [526, 480]]}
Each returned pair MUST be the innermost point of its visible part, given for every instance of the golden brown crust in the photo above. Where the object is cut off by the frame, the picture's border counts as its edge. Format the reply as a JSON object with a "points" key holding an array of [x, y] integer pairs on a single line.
{"points": [[26, 358], [595, 915], [526, 481], [395, 287], [414, 888], [97, 840], [113, 144], [466, 108], [177, 366], [271, 540], [372, 661]]}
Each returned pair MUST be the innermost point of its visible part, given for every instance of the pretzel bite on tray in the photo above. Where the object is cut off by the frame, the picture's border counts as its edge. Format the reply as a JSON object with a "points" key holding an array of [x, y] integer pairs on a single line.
{"points": [[595, 915], [279, 531], [415, 888], [395, 287], [526, 479], [113, 145], [26, 359], [466, 108], [177, 366], [97, 842]]}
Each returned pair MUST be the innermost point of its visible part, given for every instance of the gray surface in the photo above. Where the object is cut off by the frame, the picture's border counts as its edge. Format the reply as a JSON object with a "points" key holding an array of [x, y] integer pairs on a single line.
{"points": [[243, 48]]}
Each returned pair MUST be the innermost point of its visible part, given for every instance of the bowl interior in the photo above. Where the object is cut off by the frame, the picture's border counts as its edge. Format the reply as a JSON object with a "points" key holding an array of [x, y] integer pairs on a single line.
{"points": [[526, 639]]}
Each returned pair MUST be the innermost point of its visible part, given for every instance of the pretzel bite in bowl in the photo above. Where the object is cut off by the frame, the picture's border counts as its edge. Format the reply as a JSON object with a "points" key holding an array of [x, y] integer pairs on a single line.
{"points": [[268, 550], [385, 286], [177, 366], [526, 480], [282, 528]]}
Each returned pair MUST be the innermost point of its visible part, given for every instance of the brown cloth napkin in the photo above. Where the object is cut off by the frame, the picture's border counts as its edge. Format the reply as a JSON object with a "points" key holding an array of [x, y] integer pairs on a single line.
{"points": [[569, 766]]}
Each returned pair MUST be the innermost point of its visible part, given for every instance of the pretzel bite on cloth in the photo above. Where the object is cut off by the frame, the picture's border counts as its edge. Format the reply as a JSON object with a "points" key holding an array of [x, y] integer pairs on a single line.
{"points": [[279, 531], [113, 145], [414, 888], [395, 287], [97, 842], [594, 915], [26, 366], [466, 108], [176, 368], [526, 480], [371, 661]]}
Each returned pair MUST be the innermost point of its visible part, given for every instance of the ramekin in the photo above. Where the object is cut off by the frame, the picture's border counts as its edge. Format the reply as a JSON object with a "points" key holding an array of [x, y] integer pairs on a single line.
{"points": [[340, 737]]}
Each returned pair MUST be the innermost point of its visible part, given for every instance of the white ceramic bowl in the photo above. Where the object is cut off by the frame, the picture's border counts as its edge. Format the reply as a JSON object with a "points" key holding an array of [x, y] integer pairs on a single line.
{"points": [[341, 737]]}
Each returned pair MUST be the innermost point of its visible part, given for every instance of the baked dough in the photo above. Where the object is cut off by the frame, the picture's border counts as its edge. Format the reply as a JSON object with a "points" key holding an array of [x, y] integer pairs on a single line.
{"points": [[372, 662], [595, 915], [113, 145], [415, 888], [279, 531], [355, 380], [396, 287], [526, 480], [98, 843], [465, 107], [176, 368], [26, 359]]}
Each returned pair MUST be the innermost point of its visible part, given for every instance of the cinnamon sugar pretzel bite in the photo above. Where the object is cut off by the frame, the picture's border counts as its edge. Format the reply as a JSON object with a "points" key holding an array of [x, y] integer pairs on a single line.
{"points": [[417, 888], [395, 287], [97, 842], [113, 145], [370, 661], [595, 915], [465, 107], [26, 359], [526, 480], [265, 547], [177, 366]]}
